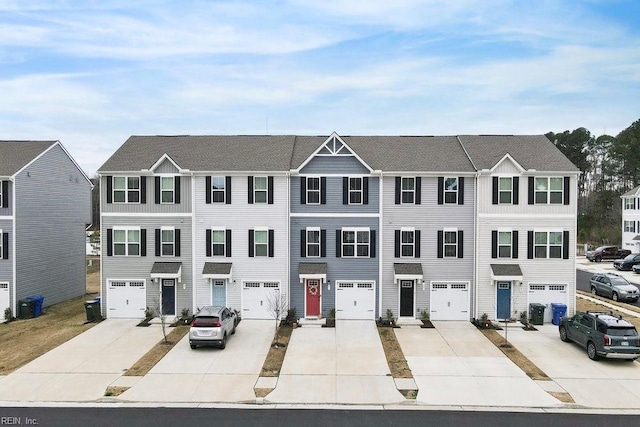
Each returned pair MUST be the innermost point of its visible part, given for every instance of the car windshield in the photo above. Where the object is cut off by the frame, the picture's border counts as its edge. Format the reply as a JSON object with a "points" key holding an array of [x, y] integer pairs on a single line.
{"points": [[622, 332], [630, 257], [618, 281], [204, 321]]}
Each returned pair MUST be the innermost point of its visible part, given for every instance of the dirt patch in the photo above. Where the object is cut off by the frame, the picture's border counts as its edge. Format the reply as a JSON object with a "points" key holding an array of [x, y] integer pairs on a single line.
{"points": [[153, 356], [114, 391], [586, 305], [275, 358], [22, 341], [515, 355], [393, 352], [562, 396], [262, 392]]}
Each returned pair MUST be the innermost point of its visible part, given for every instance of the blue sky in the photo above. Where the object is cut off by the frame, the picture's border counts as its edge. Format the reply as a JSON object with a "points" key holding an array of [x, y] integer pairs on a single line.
{"points": [[92, 73]]}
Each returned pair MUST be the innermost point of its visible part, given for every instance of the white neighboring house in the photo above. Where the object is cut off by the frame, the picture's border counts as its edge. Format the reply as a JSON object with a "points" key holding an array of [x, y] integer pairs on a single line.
{"points": [[631, 220], [92, 248]]}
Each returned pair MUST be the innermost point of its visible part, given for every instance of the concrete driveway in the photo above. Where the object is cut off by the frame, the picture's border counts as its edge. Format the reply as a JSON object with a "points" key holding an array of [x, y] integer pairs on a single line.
{"points": [[345, 364], [83, 367], [454, 364], [596, 384], [208, 374]]}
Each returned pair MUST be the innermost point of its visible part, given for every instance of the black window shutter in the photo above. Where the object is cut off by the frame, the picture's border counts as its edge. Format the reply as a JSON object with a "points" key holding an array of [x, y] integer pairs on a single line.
{"points": [[157, 190], [416, 239], [440, 191], [567, 186], [143, 189], [514, 244], [157, 242], [365, 190], [372, 244], [109, 189], [5, 194], [530, 244], [397, 244], [271, 244], [565, 245], [398, 189], [461, 190], [495, 192], [303, 190], [5, 245], [250, 185], [176, 235], [345, 190], [109, 242], [323, 190], [143, 242], [251, 243], [532, 189], [323, 243], [207, 190], [176, 184], [460, 244], [227, 241], [227, 190], [418, 190], [440, 243], [516, 190], [494, 244], [208, 240], [338, 243], [270, 191], [303, 243]]}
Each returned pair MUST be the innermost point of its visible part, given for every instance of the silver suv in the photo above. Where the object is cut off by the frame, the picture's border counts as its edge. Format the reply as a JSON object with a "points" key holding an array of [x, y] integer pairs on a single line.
{"points": [[613, 286], [212, 326]]}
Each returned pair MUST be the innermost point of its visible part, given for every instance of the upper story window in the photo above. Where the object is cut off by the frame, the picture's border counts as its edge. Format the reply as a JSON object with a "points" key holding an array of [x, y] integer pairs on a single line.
{"points": [[4, 194], [167, 189], [126, 189], [355, 191], [261, 242], [451, 190], [630, 226], [355, 242], [450, 243], [218, 242], [504, 244], [407, 243], [408, 195], [218, 189], [547, 244], [261, 189], [505, 190], [126, 241], [167, 242], [313, 190], [629, 203], [313, 242], [549, 190]]}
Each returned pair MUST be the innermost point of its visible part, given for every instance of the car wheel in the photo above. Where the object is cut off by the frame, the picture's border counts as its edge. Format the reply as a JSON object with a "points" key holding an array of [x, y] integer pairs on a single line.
{"points": [[223, 343], [614, 296], [594, 291], [591, 351], [233, 331], [193, 346], [563, 334], [598, 259]]}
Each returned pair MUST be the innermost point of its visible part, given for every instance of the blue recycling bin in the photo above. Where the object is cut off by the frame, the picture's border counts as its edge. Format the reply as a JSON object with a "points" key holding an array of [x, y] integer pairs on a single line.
{"points": [[38, 300], [559, 311]]}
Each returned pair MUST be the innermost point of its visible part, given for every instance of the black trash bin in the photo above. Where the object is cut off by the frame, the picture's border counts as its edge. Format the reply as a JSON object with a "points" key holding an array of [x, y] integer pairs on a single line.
{"points": [[38, 301], [536, 313], [26, 309], [92, 308]]}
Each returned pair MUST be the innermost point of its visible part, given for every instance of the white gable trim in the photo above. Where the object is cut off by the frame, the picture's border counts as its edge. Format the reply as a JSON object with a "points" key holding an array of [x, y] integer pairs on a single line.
{"points": [[505, 158], [161, 160], [329, 144]]}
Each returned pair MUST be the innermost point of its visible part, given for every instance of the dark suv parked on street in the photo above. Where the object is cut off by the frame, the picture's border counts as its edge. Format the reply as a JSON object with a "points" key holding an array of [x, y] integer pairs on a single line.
{"points": [[602, 334]]}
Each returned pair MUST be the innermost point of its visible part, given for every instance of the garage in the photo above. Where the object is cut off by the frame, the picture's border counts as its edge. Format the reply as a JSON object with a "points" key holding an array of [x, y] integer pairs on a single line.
{"points": [[547, 294], [126, 299], [355, 300], [259, 299], [449, 301]]}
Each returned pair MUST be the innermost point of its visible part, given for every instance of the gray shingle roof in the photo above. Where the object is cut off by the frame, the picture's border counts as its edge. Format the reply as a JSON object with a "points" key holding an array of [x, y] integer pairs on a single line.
{"points": [[217, 268], [633, 192], [408, 268], [506, 269], [312, 268], [166, 267], [14, 155]]}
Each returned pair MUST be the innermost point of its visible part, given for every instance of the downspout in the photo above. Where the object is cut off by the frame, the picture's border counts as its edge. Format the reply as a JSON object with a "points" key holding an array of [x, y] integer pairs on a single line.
{"points": [[14, 245], [380, 245], [103, 239], [287, 239], [193, 242]]}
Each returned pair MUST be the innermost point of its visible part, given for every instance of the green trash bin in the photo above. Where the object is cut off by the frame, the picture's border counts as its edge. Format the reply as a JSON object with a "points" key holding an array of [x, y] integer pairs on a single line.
{"points": [[536, 313], [92, 308], [26, 308]]}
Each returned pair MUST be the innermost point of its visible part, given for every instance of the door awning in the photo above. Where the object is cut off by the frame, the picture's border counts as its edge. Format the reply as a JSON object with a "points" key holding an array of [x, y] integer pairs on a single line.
{"points": [[312, 270], [407, 271], [217, 270], [167, 270], [506, 272]]}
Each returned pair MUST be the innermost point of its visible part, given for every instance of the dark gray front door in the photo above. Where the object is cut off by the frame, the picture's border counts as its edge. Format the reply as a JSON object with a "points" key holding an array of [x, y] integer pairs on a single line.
{"points": [[169, 296], [406, 298]]}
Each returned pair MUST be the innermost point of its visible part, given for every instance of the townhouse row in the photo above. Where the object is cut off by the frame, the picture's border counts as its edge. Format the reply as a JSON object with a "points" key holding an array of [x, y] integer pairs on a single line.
{"points": [[453, 226]]}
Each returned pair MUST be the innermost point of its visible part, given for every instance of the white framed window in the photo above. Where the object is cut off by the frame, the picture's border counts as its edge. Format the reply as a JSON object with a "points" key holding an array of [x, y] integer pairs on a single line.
{"points": [[630, 226], [629, 203], [505, 190], [547, 244], [260, 189], [549, 190], [218, 184], [126, 189], [313, 190], [355, 190], [126, 241], [355, 242], [167, 190], [505, 244], [167, 241], [408, 191], [407, 243], [450, 243], [451, 190], [261, 242], [218, 241], [313, 242]]}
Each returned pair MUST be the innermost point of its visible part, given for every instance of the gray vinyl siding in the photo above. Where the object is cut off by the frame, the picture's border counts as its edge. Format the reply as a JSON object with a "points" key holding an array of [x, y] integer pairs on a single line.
{"points": [[139, 267], [53, 208], [240, 217], [338, 269], [150, 207], [335, 165], [429, 218], [334, 198], [166, 167], [8, 211]]}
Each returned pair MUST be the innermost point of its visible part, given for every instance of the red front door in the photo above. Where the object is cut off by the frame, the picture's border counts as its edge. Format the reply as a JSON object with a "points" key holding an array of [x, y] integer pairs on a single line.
{"points": [[313, 297]]}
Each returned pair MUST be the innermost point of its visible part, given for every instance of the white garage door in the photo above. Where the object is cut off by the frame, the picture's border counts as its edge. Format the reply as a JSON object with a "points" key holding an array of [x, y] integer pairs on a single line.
{"points": [[260, 299], [4, 299], [449, 301], [355, 300], [126, 299], [546, 294]]}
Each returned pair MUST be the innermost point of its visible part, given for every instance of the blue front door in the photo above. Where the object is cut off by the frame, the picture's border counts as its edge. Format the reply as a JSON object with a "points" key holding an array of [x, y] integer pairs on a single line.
{"points": [[169, 296], [504, 300], [219, 293]]}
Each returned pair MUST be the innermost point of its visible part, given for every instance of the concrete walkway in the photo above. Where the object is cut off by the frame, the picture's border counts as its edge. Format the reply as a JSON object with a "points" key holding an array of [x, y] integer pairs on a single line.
{"points": [[341, 365]]}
